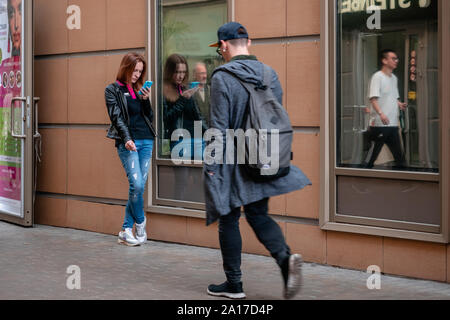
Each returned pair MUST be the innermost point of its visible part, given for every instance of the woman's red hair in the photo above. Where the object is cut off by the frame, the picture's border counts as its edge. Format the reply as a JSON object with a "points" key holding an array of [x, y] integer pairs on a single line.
{"points": [[126, 69]]}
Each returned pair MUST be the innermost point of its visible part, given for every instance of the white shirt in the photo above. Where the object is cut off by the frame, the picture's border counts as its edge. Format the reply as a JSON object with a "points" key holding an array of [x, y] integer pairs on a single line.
{"points": [[385, 88], [201, 92]]}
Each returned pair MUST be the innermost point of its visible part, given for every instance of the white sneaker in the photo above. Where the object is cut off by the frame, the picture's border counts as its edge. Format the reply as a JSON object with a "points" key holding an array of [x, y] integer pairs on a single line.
{"points": [[141, 234], [294, 280], [126, 237]]}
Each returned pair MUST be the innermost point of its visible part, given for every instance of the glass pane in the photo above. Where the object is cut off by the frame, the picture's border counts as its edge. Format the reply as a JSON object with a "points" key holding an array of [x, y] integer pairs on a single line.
{"points": [[387, 114], [405, 201], [186, 29], [180, 183], [11, 80]]}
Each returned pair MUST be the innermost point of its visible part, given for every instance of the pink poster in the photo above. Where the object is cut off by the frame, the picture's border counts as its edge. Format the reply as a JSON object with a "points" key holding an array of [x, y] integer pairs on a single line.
{"points": [[10, 86]]}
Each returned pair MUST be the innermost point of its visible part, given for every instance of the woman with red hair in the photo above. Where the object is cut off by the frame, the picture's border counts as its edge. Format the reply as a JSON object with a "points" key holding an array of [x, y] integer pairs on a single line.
{"points": [[131, 127]]}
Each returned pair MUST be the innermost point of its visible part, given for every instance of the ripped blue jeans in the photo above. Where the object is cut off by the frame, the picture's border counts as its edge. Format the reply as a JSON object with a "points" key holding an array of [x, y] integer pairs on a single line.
{"points": [[137, 166]]}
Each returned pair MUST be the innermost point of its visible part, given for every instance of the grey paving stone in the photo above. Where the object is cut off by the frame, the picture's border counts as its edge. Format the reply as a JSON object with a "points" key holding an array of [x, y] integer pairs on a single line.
{"points": [[34, 262]]}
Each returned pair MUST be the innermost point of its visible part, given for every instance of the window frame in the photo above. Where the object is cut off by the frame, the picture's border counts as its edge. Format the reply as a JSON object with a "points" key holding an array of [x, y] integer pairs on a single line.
{"points": [[329, 219], [155, 204]]}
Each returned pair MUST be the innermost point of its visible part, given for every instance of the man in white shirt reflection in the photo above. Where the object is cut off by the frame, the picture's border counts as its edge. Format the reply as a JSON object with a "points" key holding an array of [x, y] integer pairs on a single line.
{"points": [[384, 98]]}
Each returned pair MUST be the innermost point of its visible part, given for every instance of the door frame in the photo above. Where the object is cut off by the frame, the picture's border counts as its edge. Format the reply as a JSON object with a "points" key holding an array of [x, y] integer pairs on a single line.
{"points": [[30, 128]]}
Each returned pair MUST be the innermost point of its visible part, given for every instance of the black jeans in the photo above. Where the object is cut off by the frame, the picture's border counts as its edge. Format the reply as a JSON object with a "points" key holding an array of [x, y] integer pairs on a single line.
{"points": [[391, 137], [266, 229]]}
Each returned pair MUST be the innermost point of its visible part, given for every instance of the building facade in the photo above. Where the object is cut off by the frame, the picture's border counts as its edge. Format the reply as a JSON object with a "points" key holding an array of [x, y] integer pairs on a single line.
{"points": [[325, 53]]}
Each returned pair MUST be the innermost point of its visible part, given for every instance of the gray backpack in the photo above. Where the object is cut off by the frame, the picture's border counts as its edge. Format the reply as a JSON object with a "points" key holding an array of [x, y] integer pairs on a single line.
{"points": [[269, 134]]}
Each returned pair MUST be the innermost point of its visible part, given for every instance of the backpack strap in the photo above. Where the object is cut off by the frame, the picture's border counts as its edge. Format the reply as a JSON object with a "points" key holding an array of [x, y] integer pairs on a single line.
{"points": [[267, 76]]}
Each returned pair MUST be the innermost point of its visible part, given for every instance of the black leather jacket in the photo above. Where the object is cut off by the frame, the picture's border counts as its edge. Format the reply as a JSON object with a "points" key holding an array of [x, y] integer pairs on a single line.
{"points": [[116, 103]]}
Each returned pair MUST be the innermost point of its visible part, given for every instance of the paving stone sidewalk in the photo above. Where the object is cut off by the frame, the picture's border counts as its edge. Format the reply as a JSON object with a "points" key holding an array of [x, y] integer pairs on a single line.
{"points": [[34, 265]]}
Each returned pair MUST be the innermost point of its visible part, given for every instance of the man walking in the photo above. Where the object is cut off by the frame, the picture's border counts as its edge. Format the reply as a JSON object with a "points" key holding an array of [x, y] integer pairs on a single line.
{"points": [[384, 98], [228, 187]]}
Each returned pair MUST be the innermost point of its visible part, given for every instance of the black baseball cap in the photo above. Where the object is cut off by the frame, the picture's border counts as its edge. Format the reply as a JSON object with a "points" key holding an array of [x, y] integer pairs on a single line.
{"points": [[230, 31]]}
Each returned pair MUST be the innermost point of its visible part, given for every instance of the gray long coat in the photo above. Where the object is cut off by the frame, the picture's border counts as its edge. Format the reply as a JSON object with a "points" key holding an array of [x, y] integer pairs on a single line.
{"points": [[229, 187]]}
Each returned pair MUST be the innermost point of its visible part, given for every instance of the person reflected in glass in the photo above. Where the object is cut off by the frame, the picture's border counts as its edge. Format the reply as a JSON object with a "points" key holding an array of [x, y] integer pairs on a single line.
{"points": [[132, 129], [202, 96], [385, 101], [181, 111]]}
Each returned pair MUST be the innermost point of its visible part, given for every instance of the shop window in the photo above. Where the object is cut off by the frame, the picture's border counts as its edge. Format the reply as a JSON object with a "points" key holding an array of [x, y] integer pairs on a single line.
{"points": [[409, 138], [385, 136], [184, 61]]}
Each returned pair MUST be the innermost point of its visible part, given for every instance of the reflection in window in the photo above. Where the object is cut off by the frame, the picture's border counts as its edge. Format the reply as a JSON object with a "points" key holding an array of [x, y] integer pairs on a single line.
{"points": [[188, 27], [180, 183], [373, 130], [186, 63]]}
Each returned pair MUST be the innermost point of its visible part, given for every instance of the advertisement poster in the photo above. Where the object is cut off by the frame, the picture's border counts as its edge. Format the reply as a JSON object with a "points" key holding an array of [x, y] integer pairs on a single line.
{"points": [[10, 86]]}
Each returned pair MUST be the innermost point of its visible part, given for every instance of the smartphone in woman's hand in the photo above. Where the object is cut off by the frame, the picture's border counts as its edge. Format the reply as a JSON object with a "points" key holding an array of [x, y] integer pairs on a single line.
{"points": [[147, 85], [194, 85]]}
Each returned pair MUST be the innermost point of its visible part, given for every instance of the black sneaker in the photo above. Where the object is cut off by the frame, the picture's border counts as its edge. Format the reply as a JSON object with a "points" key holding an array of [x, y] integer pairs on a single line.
{"points": [[292, 276], [228, 290]]}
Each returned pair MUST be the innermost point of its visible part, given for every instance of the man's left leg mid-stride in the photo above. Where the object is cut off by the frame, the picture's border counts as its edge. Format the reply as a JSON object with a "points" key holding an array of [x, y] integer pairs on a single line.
{"points": [[270, 235]]}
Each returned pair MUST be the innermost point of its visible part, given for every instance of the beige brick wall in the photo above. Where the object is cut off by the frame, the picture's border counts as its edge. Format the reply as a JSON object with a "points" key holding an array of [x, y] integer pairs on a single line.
{"points": [[72, 69]]}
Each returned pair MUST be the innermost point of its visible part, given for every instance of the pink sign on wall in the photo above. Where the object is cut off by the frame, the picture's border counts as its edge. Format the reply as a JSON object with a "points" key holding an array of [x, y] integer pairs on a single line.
{"points": [[11, 80]]}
